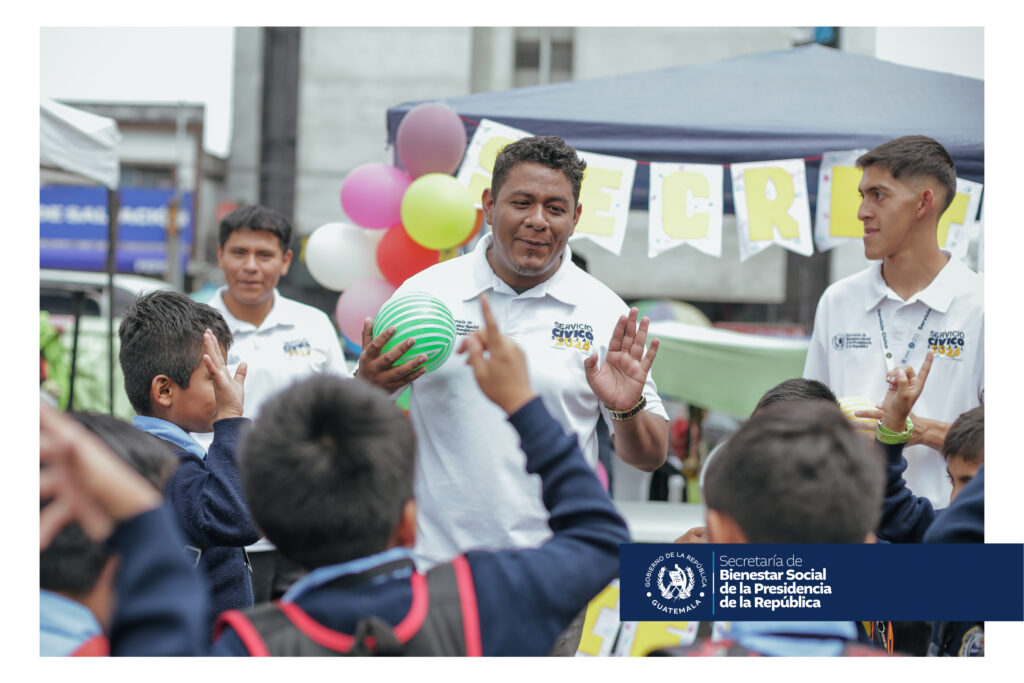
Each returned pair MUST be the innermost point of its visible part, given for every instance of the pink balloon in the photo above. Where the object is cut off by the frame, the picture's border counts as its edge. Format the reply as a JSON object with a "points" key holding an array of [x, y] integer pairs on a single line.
{"points": [[361, 300], [430, 139], [371, 195]]}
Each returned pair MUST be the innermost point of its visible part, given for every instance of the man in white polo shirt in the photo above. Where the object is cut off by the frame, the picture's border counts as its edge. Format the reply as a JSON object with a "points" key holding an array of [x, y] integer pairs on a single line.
{"points": [[914, 298], [281, 340], [585, 352]]}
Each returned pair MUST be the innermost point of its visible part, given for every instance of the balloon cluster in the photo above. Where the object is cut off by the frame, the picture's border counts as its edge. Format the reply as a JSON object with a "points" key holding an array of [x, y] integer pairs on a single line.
{"points": [[403, 218]]}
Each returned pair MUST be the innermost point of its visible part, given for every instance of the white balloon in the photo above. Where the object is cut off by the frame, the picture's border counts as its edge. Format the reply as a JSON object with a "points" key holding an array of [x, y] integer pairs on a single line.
{"points": [[339, 254]]}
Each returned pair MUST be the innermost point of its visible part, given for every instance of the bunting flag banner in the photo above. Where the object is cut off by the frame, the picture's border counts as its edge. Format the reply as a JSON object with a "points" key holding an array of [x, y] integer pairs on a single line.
{"points": [[772, 206], [835, 218], [981, 241], [605, 196], [478, 163], [685, 207], [958, 225]]}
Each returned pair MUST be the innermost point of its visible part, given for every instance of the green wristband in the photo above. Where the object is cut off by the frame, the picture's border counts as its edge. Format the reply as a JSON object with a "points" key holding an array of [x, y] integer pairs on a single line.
{"points": [[887, 436]]}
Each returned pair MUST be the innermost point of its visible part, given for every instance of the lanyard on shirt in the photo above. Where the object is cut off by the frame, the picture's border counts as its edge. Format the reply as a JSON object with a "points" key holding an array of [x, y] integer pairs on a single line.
{"points": [[889, 364]]}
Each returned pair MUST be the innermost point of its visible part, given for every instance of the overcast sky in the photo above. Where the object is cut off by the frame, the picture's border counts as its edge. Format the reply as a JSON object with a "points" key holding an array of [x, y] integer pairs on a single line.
{"points": [[195, 64], [143, 65]]}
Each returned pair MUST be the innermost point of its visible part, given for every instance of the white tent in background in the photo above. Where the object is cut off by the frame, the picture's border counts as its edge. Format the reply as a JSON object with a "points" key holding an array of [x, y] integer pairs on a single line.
{"points": [[79, 142], [85, 145]]}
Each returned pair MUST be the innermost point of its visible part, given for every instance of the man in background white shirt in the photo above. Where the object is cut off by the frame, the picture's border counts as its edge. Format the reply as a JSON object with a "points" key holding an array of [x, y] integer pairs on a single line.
{"points": [[280, 339]]}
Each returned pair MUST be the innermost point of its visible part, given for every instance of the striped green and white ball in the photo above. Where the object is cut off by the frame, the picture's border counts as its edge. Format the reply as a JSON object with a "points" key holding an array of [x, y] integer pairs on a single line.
{"points": [[424, 318]]}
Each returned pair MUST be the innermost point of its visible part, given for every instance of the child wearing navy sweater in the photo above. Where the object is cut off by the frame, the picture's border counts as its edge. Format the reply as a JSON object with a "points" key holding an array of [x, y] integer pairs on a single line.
{"points": [[172, 356]]}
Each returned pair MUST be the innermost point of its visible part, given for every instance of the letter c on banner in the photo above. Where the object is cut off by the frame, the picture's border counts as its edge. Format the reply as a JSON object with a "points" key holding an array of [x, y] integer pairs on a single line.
{"points": [[677, 221], [594, 199], [764, 212]]}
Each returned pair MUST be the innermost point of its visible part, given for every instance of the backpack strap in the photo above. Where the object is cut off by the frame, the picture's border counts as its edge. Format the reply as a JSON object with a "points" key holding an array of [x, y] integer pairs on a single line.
{"points": [[97, 646], [244, 628], [442, 620], [470, 611]]}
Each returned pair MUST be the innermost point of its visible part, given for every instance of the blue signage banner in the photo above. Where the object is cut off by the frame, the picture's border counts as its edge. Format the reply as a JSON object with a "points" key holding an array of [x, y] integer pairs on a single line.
{"points": [[826, 582], [73, 228]]}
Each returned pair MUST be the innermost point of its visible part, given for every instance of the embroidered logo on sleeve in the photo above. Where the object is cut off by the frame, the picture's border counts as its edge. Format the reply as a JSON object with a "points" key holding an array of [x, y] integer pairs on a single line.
{"points": [[298, 347], [851, 340], [948, 344], [572, 336]]}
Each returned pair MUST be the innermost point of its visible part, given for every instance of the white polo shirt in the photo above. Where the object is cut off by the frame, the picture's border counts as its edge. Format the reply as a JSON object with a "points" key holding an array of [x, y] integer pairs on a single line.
{"points": [[293, 342], [472, 490], [848, 354]]}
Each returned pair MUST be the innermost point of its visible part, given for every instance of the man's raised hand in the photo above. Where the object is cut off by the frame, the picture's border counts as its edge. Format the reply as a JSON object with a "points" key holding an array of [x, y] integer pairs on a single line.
{"points": [[619, 382]]}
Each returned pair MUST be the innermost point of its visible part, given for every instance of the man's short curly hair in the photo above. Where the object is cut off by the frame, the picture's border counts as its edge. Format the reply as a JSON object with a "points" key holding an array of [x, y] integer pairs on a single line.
{"points": [[549, 150]]}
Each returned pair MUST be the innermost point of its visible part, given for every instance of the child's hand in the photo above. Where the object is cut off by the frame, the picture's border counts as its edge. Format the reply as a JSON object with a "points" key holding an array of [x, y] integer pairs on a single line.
{"points": [[698, 534], [229, 391], [905, 387], [502, 376], [84, 481]]}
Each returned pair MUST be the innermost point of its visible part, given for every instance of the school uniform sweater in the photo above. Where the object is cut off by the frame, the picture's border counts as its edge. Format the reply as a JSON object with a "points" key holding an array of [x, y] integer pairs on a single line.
{"points": [[525, 597], [205, 493]]}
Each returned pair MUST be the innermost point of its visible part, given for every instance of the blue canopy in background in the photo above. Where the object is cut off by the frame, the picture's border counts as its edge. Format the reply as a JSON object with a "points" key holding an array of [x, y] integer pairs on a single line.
{"points": [[794, 103]]}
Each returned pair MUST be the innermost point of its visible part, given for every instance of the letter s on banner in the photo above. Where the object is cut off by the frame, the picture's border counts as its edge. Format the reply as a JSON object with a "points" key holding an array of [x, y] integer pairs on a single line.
{"points": [[478, 163]]}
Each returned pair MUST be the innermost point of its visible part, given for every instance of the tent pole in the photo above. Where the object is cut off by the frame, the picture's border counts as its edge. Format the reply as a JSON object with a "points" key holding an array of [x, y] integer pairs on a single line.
{"points": [[113, 208]]}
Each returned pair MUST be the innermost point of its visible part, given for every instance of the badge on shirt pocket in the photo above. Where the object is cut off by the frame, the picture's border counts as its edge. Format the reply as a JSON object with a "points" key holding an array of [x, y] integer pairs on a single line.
{"points": [[579, 336], [298, 348], [948, 344]]}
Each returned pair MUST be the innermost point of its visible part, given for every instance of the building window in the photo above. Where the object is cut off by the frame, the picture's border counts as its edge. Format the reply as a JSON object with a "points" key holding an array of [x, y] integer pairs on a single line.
{"points": [[543, 55], [822, 35], [147, 176]]}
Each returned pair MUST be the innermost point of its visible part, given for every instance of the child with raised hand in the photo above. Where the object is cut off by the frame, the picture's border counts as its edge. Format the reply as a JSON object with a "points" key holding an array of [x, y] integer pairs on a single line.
{"points": [[113, 579], [328, 471], [172, 357]]}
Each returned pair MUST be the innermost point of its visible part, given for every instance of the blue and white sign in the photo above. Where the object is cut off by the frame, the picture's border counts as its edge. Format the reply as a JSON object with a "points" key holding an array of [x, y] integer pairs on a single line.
{"points": [[73, 228], [812, 582]]}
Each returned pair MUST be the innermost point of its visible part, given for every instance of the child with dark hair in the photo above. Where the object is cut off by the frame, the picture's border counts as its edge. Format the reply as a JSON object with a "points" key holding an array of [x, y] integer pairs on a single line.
{"points": [[172, 357], [97, 597], [765, 486], [907, 518], [328, 470]]}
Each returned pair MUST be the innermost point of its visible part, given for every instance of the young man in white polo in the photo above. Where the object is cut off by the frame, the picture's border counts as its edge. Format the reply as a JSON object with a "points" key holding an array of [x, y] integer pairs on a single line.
{"points": [[280, 339], [915, 297], [587, 359]]}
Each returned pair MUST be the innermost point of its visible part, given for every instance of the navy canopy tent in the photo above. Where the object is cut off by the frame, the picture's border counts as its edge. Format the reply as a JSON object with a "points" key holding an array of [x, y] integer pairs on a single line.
{"points": [[790, 104]]}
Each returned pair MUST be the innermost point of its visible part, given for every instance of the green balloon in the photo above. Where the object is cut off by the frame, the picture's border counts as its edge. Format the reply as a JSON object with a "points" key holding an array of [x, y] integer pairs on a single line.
{"points": [[423, 317], [438, 212]]}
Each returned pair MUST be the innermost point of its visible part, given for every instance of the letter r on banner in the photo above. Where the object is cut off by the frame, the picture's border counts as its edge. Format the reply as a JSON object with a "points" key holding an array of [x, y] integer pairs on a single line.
{"points": [[677, 221], [765, 212]]}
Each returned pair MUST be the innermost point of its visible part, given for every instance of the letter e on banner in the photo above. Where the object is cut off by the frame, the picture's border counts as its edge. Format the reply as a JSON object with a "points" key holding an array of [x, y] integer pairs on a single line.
{"points": [[835, 220], [957, 224], [605, 197]]}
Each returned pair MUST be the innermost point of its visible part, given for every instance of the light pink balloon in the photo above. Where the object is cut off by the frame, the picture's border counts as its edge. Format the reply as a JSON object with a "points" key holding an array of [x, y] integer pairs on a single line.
{"points": [[361, 300], [371, 195], [430, 139]]}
